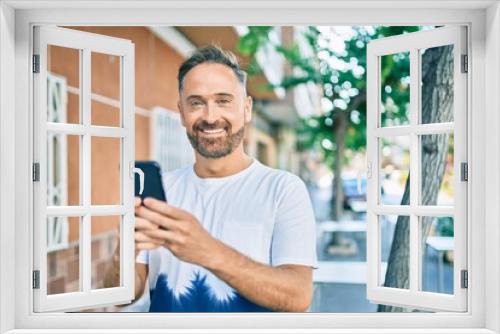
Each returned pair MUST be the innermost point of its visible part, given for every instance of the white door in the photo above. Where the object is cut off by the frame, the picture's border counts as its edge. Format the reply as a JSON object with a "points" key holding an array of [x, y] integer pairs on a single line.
{"points": [[417, 163], [83, 154]]}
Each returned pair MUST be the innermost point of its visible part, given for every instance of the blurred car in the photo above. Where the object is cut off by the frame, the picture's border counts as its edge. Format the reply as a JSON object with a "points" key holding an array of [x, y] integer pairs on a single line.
{"points": [[354, 194]]}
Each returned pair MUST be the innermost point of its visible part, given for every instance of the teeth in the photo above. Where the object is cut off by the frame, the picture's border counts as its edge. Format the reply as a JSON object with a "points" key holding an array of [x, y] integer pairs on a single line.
{"points": [[213, 131]]}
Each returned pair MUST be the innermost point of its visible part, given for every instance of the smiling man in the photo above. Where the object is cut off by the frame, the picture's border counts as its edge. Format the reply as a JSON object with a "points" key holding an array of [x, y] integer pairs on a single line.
{"points": [[235, 236]]}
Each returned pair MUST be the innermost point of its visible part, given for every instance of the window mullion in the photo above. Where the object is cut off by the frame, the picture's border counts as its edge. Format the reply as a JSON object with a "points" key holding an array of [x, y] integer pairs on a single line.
{"points": [[419, 129], [85, 228], [96, 210], [414, 170], [420, 210], [93, 130], [127, 258]]}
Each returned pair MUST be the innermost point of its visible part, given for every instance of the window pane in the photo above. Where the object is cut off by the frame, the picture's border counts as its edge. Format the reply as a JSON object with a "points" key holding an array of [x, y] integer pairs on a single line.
{"points": [[63, 169], [105, 233], [63, 84], [394, 249], [395, 89], [105, 114], [106, 95], [106, 157], [437, 255], [63, 251], [437, 176], [437, 84], [395, 170]]}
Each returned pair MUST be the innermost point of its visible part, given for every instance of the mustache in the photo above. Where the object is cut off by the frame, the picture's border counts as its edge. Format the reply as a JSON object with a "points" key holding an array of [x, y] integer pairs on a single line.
{"points": [[204, 125]]}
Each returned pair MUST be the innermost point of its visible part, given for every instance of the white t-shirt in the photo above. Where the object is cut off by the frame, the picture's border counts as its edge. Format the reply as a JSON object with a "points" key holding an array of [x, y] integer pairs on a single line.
{"points": [[262, 212]]}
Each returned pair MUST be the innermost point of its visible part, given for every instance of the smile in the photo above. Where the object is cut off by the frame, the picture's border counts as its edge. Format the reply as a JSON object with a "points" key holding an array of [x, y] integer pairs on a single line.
{"points": [[214, 131]]}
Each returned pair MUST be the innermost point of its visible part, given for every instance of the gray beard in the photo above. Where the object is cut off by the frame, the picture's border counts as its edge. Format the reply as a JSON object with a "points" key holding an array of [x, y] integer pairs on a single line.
{"points": [[214, 148]]}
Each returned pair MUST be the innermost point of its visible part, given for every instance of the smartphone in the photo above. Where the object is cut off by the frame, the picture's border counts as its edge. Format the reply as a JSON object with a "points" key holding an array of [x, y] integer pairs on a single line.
{"points": [[152, 183]]}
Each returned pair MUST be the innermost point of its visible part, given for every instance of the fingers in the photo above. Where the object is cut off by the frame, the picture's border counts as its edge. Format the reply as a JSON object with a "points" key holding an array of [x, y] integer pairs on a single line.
{"points": [[142, 237], [165, 236], [144, 242], [156, 218], [144, 224], [145, 246], [166, 209]]}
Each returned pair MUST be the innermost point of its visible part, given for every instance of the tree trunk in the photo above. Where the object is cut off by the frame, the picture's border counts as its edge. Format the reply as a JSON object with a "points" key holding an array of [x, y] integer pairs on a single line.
{"points": [[437, 106], [339, 128]]}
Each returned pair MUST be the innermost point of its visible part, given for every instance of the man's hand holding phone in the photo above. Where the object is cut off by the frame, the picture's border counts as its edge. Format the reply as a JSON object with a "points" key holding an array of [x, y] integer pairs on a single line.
{"points": [[178, 231], [142, 240]]}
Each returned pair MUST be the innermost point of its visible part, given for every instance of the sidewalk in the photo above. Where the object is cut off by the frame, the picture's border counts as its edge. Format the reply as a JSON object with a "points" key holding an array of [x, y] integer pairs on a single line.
{"points": [[345, 291]]}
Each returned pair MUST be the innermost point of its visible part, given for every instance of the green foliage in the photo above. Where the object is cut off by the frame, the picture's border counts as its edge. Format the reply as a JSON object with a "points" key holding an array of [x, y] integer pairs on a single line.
{"points": [[249, 44], [342, 77], [257, 36]]}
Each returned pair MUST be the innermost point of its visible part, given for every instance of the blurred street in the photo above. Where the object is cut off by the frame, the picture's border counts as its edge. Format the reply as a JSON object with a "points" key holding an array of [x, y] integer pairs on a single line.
{"points": [[351, 297]]}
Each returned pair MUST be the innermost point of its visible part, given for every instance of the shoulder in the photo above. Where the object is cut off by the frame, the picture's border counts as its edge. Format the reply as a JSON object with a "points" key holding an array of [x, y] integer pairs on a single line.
{"points": [[177, 175], [283, 181]]}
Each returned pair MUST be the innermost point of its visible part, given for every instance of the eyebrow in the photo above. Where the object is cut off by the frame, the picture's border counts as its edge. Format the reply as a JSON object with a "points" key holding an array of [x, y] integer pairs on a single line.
{"points": [[224, 95], [190, 97]]}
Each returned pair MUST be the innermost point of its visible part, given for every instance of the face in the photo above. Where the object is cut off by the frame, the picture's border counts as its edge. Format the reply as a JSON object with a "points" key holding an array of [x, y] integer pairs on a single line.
{"points": [[214, 109]]}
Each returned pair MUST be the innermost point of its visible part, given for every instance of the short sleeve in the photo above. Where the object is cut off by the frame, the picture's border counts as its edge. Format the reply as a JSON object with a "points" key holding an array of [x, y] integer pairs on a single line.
{"points": [[142, 256], [294, 233]]}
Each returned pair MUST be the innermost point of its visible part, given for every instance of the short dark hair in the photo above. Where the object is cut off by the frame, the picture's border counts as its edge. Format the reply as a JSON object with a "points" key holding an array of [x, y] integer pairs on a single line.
{"points": [[211, 54]]}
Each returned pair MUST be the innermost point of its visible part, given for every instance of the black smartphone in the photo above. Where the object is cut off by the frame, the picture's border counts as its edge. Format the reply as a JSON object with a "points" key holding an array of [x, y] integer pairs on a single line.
{"points": [[152, 182]]}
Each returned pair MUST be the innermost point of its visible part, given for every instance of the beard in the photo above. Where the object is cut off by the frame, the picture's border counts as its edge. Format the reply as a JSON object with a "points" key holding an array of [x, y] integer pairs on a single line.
{"points": [[215, 147]]}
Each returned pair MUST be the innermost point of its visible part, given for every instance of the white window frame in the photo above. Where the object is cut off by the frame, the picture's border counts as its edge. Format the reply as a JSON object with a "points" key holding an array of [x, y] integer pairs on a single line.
{"points": [[85, 43], [412, 43], [16, 214]]}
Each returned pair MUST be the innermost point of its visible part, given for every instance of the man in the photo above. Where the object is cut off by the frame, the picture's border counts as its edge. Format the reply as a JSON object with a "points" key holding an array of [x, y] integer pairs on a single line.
{"points": [[235, 236]]}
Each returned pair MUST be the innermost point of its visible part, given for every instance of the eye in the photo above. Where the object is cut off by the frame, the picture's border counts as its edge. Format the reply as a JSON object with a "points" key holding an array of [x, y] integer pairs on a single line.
{"points": [[196, 103], [223, 101]]}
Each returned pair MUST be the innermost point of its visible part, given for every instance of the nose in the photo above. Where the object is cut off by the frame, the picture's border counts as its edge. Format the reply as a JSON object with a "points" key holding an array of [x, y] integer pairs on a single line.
{"points": [[211, 112]]}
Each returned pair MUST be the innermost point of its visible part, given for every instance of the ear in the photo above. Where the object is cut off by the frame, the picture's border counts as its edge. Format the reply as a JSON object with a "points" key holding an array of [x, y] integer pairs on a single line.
{"points": [[179, 106], [248, 109]]}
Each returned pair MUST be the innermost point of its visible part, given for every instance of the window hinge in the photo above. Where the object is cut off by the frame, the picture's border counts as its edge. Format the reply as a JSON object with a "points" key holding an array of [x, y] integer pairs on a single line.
{"points": [[464, 279], [36, 172], [369, 170], [36, 279], [464, 171], [36, 63], [465, 64]]}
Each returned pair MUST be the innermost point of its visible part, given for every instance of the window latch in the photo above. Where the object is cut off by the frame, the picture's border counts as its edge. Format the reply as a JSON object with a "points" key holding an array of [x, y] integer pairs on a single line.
{"points": [[134, 170]]}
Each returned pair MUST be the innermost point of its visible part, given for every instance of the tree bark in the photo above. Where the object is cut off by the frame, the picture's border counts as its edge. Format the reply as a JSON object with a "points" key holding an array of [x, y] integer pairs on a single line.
{"points": [[339, 128], [437, 106]]}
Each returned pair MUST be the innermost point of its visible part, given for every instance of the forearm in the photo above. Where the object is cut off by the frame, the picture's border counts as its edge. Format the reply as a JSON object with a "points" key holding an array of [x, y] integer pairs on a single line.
{"points": [[286, 288], [112, 278], [279, 289]]}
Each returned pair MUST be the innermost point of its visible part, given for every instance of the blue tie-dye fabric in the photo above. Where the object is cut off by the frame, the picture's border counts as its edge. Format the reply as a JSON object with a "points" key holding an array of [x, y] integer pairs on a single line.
{"points": [[196, 299]]}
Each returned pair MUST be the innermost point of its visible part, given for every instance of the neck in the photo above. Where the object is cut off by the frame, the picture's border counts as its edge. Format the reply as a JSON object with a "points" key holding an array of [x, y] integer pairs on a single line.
{"points": [[225, 166]]}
